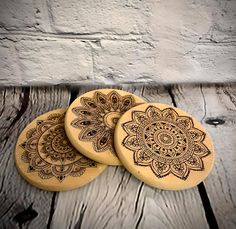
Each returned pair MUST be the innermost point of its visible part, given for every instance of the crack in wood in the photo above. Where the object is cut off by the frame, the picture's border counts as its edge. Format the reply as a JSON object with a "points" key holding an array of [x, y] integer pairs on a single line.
{"points": [[73, 94], [80, 221], [52, 209], [24, 104], [232, 99], [172, 96], [138, 197], [120, 183], [8, 209], [204, 103], [210, 217], [140, 216]]}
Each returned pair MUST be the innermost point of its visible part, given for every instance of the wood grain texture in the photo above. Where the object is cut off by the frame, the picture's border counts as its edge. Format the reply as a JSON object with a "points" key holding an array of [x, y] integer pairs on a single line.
{"points": [[19, 107], [118, 200], [216, 108]]}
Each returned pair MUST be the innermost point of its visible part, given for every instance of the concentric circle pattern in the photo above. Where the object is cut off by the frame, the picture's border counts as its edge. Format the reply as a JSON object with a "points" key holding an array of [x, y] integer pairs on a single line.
{"points": [[91, 120], [46, 158], [161, 143]]}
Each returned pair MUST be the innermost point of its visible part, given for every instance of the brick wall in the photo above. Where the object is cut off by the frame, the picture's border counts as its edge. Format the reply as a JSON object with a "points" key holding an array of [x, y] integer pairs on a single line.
{"points": [[117, 41]]}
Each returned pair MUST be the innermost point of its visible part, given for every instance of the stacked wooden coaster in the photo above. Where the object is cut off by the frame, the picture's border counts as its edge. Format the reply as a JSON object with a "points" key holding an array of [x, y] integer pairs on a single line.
{"points": [[160, 145]]}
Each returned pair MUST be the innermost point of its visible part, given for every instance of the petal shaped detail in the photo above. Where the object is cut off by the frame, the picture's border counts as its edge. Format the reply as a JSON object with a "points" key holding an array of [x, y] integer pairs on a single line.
{"points": [[199, 149], [83, 123], [81, 111], [102, 100], [88, 103], [114, 99], [131, 128], [77, 171], [127, 102], [153, 112], [90, 133], [60, 171], [131, 142], [31, 145], [180, 170], [169, 114], [31, 133], [185, 122], [103, 142], [26, 156], [197, 135], [160, 169], [195, 163], [175, 145], [46, 173], [38, 163], [139, 117], [142, 157]]}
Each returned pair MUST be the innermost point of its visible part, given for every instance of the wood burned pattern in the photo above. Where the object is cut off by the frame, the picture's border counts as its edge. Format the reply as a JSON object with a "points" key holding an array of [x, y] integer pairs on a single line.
{"points": [[97, 117], [48, 151], [165, 141]]}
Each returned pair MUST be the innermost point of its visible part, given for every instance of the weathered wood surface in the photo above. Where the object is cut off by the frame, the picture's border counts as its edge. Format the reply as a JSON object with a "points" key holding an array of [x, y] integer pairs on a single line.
{"points": [[216, 108], [116, 199], [17, 108]]}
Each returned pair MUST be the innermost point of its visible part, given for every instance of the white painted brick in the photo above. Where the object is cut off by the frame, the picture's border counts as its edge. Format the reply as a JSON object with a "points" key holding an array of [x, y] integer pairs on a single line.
{"points": [[26, 15], [106, 16], [129, 61], [214, 63], [55, 61], [9, 69], [123, 61], [190, 20], [15, 14], [137, 41]]}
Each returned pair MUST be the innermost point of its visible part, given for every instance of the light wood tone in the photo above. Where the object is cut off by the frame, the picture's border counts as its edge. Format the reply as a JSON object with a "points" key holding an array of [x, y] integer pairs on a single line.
{"points": [[145, 173], [87, 147], [118, 200], [53, 184]]}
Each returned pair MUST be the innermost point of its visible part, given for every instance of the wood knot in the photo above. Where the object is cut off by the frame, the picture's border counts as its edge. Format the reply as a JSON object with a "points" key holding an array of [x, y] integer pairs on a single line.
{"points": [[26, 215], [215, 121]]}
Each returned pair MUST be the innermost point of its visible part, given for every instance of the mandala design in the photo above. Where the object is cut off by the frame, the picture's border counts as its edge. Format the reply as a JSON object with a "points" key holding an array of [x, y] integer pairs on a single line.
{"points": [[165, 141], [97, 117], [48, 151]]}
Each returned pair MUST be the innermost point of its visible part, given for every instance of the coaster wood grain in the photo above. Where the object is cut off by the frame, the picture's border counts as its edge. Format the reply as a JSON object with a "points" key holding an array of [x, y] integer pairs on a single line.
{"points": [[164, 146], [46, 159], [90, 122]]}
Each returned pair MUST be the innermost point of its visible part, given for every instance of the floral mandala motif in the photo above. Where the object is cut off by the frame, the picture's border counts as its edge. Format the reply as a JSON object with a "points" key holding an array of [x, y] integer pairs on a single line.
{"points": [[165, 141], [98, 116], [48, 151]]}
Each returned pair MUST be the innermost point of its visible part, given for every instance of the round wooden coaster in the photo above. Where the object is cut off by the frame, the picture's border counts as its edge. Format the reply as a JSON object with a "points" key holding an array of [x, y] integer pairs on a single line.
{"points": [[46, 159], [164, 146], [90, 122]]}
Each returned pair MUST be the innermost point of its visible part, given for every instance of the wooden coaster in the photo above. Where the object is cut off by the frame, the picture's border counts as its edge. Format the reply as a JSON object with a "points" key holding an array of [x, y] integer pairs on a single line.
{"points": [[90, 122], [163, 146], [47, 160]]}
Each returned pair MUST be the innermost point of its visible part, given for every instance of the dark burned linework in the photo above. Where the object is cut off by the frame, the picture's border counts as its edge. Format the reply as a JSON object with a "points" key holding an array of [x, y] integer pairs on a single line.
{"points": [[165, 141], [98, 116], [48, 151]]}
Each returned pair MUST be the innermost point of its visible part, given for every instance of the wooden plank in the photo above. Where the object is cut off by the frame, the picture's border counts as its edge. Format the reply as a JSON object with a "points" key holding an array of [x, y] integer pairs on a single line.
{"points": [[118, 200], [215, 107], [18, 108]]}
